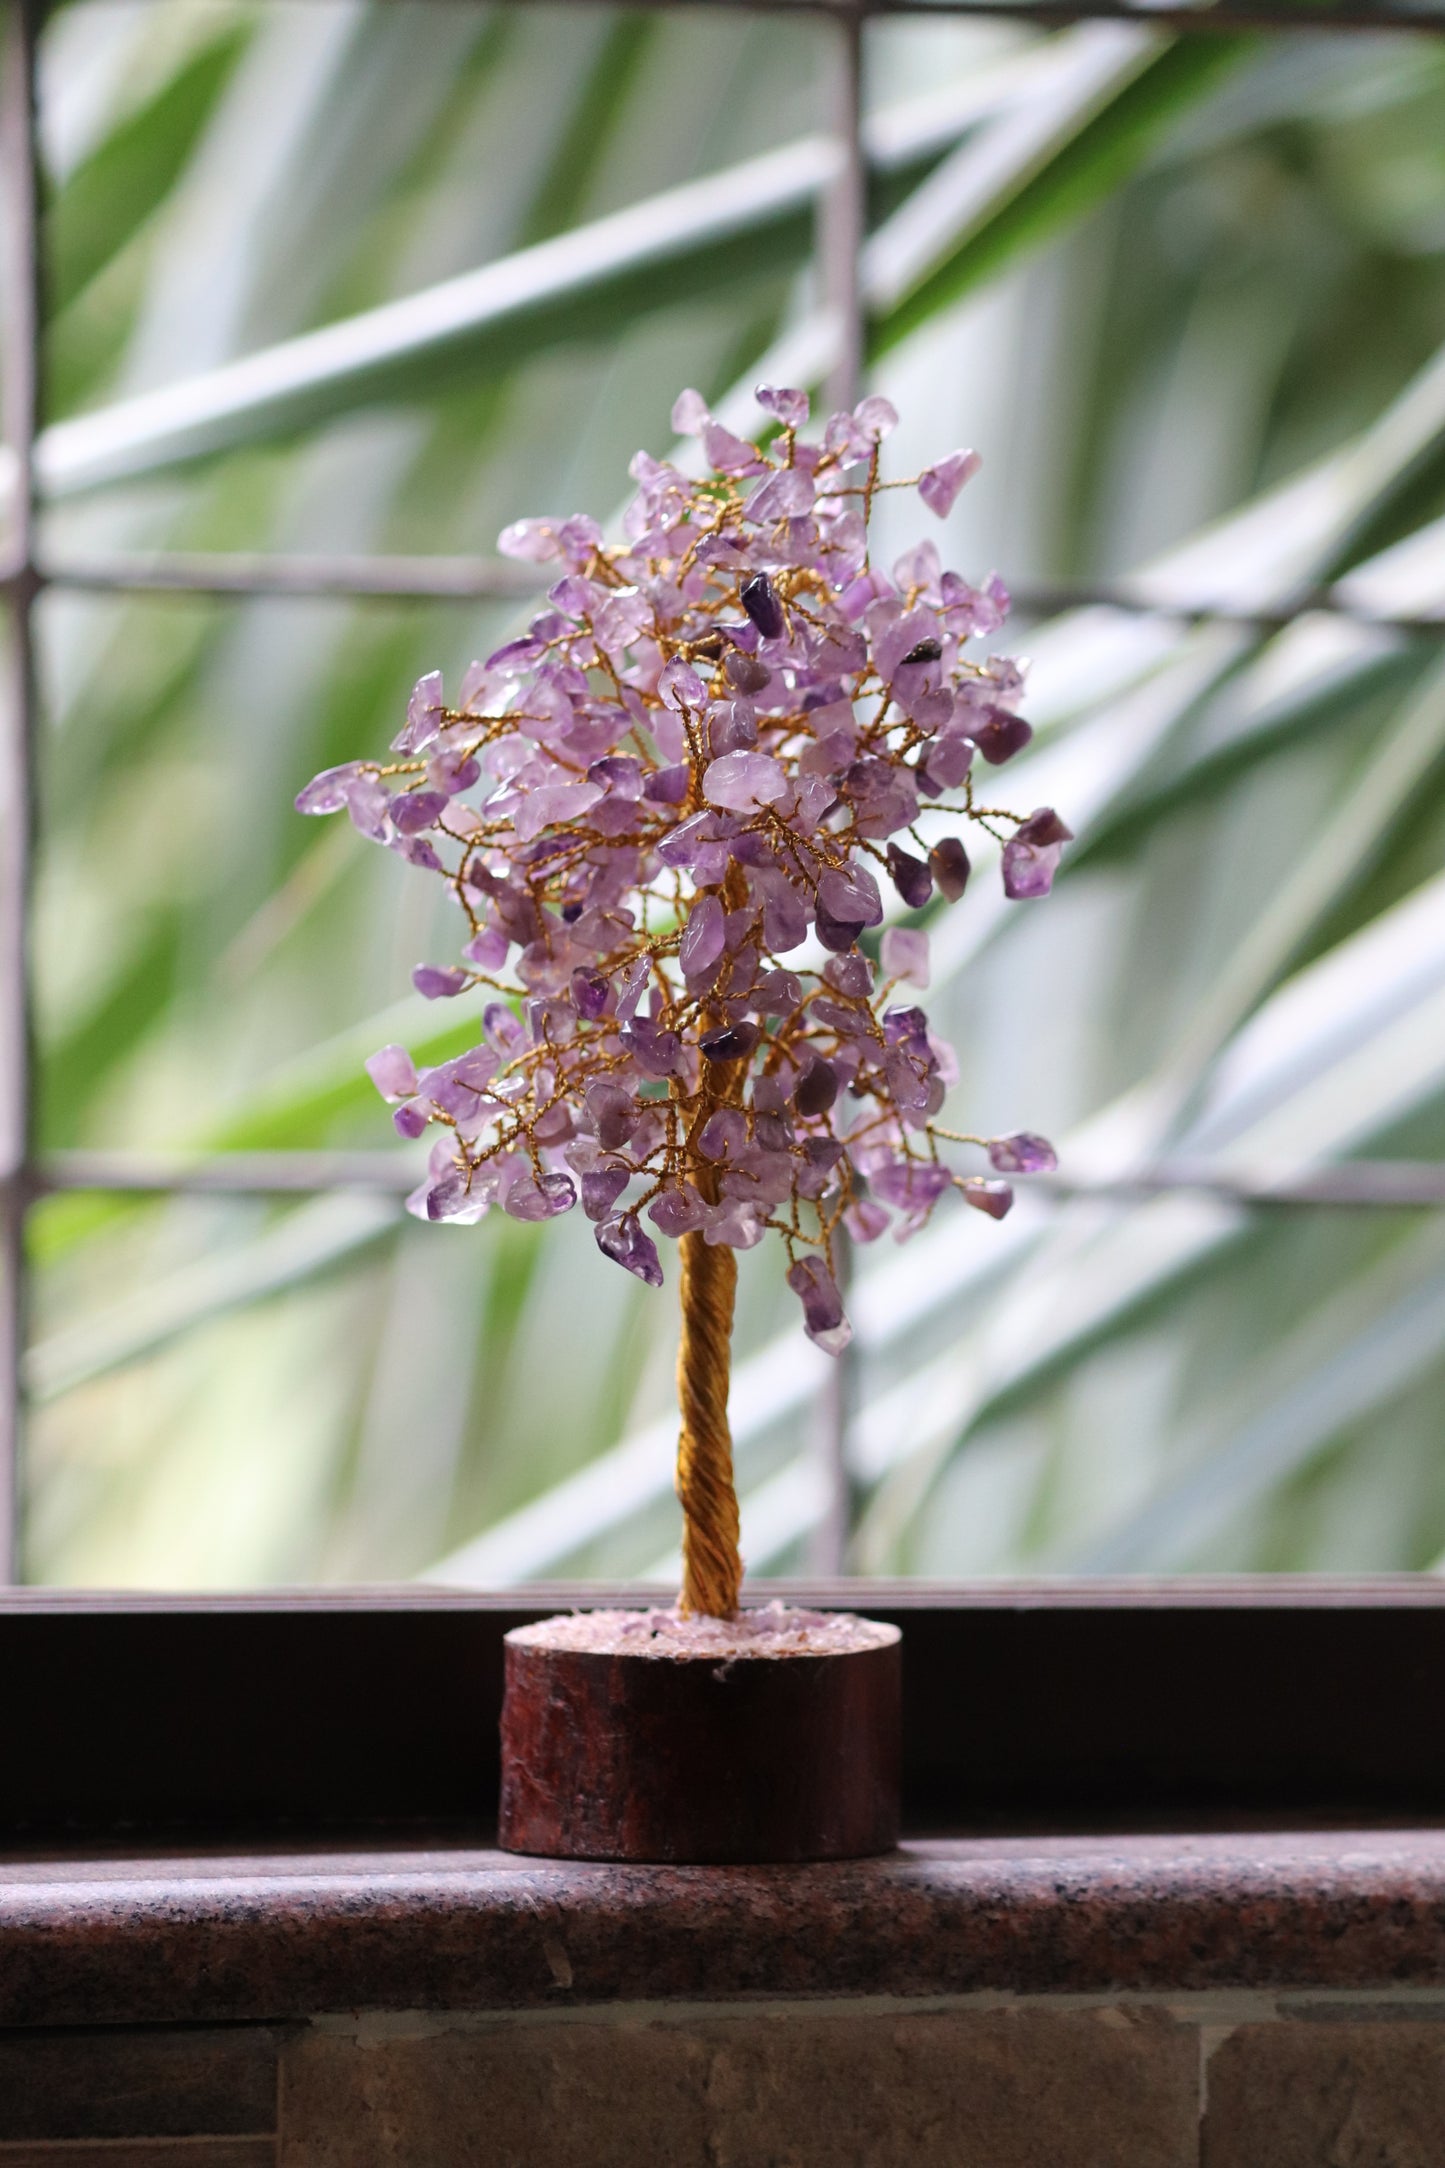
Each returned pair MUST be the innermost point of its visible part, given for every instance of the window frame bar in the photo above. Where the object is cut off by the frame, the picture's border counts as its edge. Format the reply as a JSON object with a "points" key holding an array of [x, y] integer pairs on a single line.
{"points": [[207, 1720], [20, 365], [242, 574], [26, 1178]]}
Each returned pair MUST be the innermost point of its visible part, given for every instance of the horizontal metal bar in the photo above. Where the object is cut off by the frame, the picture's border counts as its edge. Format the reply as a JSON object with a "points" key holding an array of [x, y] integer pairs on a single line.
{"points": [[484, 579], [1050, 598], [259, 1174], [1223, 16], [1378, 1183], [188, 572], [1220, 16], [1372, 1182]]}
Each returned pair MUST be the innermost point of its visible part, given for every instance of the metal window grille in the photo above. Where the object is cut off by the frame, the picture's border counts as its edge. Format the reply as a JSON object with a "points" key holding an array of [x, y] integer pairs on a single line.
{"points": [[26, 571]]}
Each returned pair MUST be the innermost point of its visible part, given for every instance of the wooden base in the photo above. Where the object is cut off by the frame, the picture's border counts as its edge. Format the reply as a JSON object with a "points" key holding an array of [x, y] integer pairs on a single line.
{"points": [[636, 1736]]}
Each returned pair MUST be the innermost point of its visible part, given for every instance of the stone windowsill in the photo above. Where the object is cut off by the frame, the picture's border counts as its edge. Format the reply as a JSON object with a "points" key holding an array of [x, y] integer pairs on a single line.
{"points": [[149, 1937]]}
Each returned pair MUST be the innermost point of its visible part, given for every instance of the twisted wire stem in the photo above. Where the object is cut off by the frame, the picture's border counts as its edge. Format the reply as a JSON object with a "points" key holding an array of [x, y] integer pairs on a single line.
{"points": [[712, 1570]]}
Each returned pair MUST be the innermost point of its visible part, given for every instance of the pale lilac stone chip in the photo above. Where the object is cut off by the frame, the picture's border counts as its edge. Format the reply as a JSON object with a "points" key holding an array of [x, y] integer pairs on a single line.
{"points": [[680, 686], [747, 673], [368, 805], [777, 993], [540, 1197], [677, 1212], [1031, 855], [690, 413], [591, 993], [625, 1242], [732, 727], [416, 809], [436, 984], [728, 454], [734, 1223], [601, 1188], [741, 782], [704, 938], [552, 803], [533, 541], [790, 407], [652, 1048], [503, 1028], [877, 417], [619, 773], [907, 1083], [487, 948], [823, 1319], [904, 954], [411, 1119], [940, 484], [612, 1114], [994, 1198], [789, 495], [418, 852], [851, 894], [724, 1134], [911, 1184], [393, 1072], [866, 1220], [852, 975], [327, 792], [1022, 1153], [424, 715], [668, 786], [452, 771]]}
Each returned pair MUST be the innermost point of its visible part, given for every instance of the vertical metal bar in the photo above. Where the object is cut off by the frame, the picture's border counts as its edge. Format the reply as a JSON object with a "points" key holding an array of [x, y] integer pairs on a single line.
{"points": [[842, 217], [830, 1419], [843, 209], [20, 388]]}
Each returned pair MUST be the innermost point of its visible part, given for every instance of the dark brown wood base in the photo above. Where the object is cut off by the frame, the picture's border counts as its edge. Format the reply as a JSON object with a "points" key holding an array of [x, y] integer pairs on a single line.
{"points": [[644, 1753]]}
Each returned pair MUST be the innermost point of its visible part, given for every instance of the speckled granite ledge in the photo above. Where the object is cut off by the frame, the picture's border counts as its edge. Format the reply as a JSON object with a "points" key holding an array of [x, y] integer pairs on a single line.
{"points": [[153, 1938]]}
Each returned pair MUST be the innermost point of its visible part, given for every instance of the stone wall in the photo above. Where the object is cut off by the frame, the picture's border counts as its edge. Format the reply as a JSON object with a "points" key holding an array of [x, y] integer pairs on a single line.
{"points": [[1219, 2080]]}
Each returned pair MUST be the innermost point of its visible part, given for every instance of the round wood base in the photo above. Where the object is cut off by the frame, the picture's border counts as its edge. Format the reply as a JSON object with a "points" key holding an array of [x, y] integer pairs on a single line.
{"points": [[636, 1736]]}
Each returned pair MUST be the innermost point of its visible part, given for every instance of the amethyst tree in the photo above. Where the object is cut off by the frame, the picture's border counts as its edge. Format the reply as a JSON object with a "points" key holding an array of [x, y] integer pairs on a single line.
{"points": [[670, 813]]}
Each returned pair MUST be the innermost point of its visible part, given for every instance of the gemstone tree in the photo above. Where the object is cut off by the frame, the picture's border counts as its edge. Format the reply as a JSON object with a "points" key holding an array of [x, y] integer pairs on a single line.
{"points": [[665, 812]]}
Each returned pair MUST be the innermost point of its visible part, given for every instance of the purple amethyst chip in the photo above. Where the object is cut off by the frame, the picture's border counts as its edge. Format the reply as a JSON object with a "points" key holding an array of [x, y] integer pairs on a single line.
{"points": [[760, 599]]}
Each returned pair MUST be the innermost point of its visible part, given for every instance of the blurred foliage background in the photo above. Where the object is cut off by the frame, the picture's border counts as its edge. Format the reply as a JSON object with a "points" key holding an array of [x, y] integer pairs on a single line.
{"points": [[1186, 296]]}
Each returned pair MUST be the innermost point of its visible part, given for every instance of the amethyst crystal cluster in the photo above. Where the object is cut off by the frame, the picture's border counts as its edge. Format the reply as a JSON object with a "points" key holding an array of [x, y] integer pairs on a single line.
{"points": [[669, 814]]}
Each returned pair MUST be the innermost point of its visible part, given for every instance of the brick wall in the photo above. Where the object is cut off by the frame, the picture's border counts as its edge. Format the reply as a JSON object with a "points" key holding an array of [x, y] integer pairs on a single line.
{"points": [[1312, 2080]]}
